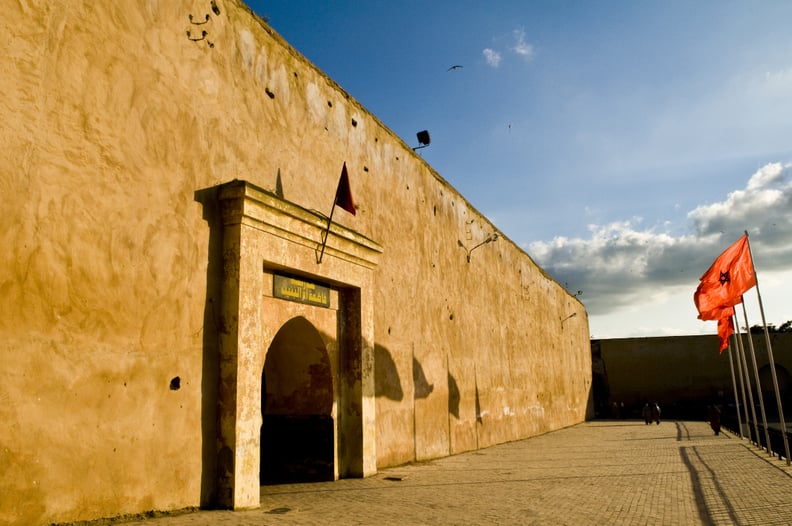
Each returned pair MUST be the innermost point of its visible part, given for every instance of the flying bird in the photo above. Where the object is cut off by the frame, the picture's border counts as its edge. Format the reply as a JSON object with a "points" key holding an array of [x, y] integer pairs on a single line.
{"points": [[454, 67]]}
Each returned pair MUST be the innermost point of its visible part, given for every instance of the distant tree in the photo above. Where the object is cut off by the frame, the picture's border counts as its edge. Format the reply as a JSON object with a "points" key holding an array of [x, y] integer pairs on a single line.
{"points": [[785, 327]]}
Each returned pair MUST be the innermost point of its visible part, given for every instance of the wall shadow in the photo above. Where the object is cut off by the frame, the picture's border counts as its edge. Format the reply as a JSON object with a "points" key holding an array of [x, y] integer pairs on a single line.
{"points": [[478, 405], [279, 185], [453, 396], [210, 361], [387, 383], [421, 385], [599, 398]]}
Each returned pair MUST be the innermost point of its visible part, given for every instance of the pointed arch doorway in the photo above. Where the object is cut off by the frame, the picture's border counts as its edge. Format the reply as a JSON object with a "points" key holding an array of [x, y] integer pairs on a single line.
{"points": [[298, 430], [263, 238]]}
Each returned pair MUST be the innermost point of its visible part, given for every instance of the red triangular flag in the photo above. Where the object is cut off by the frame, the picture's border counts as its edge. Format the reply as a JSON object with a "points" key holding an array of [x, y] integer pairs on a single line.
{"points": [[343, 197]]}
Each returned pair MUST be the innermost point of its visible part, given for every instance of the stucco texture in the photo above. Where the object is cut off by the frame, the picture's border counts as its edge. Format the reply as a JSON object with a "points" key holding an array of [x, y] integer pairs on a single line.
{"points": [[117, 122]]}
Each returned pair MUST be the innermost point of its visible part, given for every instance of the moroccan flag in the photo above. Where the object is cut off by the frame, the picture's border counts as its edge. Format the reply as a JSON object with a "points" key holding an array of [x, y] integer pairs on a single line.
{"points": [[714, 313], [723, 285], [725, 328], [343, 197]]}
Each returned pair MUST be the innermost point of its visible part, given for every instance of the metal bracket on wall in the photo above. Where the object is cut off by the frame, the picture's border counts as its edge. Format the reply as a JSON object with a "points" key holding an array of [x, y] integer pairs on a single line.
{"points": [[197, 21], [205, 20], [198, 39]]}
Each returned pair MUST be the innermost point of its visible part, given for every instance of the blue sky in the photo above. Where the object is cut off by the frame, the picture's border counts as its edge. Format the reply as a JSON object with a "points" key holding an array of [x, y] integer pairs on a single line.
{"points": [[623, 145]]}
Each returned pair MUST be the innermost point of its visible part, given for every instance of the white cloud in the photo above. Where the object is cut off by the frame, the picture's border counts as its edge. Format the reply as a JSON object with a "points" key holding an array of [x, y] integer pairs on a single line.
{"points": [[624, 267], [521, 47], [763, 205], [769, 174], [492, 57]]}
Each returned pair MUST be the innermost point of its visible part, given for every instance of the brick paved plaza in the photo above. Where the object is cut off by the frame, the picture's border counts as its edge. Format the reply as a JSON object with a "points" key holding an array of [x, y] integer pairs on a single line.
{"points": [[602, 472]]}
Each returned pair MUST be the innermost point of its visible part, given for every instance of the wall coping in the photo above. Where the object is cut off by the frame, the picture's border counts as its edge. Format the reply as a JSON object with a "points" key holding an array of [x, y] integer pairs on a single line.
{"points": [[244, 203]]}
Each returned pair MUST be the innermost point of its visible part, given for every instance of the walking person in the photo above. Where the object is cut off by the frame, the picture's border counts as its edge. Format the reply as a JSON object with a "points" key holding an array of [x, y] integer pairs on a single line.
{"points": [[713, 416], [647, 413], [656, 413]]}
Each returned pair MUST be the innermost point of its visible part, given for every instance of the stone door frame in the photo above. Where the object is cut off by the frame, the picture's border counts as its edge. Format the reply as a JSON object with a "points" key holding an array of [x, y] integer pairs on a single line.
{"points": [[263, 233]]}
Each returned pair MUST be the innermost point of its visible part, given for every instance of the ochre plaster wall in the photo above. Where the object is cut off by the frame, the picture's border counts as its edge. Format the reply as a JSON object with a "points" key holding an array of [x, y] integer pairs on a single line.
{"points": [[116, 128]]}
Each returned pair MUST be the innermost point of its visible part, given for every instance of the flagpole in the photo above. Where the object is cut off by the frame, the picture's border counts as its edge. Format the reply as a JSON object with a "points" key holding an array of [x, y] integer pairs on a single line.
{"points": [[734, 385], [326, 232], [746, 390], [758, 384], [750, 391], [770, 357], [737, 351], [344, 195]]}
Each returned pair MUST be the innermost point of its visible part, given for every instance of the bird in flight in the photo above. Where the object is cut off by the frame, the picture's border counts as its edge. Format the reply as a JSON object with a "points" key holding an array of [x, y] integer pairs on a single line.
{"points": [[454, 67]]}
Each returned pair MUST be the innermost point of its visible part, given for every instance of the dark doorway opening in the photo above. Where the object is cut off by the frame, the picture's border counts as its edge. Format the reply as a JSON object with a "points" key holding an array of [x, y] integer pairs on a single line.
{"points": [[298, 428]]}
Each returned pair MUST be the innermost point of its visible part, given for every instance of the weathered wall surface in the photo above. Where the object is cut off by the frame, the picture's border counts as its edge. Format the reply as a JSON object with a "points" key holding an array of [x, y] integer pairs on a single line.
{"points": [[115, 121], [686, 373]]}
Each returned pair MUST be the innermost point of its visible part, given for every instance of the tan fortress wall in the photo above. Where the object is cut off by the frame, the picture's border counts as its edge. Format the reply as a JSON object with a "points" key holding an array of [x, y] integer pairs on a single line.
{"points": [[118, 122]]}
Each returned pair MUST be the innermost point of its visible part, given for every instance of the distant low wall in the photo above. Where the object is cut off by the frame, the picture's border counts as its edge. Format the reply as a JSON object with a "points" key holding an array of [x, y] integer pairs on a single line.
{"points": [[683, 373]]}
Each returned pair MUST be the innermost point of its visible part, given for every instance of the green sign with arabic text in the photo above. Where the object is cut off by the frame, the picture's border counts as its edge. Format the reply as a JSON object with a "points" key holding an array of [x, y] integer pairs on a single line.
{"points": [[301, 291]]}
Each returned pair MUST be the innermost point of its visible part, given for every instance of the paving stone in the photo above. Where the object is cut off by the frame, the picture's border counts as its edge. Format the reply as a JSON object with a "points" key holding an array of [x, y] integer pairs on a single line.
{"points": [[602, 472]]}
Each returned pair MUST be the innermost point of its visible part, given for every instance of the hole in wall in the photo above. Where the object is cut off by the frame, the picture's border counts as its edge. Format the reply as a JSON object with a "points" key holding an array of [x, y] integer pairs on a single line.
{"points": [[269, 93], [175, 383]]}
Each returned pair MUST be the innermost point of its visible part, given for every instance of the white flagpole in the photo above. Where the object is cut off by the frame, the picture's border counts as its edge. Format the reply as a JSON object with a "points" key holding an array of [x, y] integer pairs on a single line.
{"points": [[770, 357], [756, 379], [738, 352], [750, 391], [734, 384]]}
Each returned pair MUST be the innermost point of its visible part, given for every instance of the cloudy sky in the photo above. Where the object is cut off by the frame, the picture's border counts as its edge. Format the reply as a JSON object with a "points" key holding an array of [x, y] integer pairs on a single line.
{"points": [[623, 145]]}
